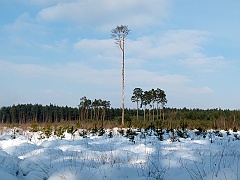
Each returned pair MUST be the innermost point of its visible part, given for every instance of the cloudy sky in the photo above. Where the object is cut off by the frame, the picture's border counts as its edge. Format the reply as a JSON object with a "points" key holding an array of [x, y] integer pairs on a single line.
{"points": [[59, 51]]}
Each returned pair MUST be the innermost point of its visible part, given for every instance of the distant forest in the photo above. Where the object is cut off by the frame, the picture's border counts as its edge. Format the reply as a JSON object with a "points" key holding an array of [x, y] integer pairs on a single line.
{"points": [[166, 117]]}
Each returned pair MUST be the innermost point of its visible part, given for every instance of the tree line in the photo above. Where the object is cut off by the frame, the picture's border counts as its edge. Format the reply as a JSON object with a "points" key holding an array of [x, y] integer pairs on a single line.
{"points": [[173, 117], [150, 108], [150, 98], [29, 113], [99, 109], [96, 110]]}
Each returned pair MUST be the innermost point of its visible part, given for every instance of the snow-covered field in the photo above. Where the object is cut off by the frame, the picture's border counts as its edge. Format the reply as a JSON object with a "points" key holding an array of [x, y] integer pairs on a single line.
{"points": [[101, 157]]}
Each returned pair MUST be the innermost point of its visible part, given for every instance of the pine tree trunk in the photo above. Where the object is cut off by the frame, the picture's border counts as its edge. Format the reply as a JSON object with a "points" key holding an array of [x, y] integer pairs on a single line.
{"points": [[123, 82], [137, 110], [234, 120], [153, 111], [144, 114], [163, 116], [91, 114]]}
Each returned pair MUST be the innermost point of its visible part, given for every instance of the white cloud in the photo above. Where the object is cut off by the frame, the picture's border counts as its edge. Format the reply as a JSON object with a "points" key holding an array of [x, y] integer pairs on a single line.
{"points": [[25, 31], [57, 46], [72, 71], [174, 83], [186, 43], [95, 46], [31, 70], [42, 2], [205, 64], [172, 43], [26, 24], [101, 13], [198, 91], [81, 73], [145, 77], [184, 47]]}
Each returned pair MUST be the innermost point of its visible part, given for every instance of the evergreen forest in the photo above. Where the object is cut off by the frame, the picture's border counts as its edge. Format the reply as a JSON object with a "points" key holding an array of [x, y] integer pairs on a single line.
{"points": [[150, 111], [104, 115]]}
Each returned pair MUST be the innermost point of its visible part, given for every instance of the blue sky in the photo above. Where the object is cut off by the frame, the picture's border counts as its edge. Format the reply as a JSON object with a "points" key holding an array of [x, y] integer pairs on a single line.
{"points": [[59, 51]]}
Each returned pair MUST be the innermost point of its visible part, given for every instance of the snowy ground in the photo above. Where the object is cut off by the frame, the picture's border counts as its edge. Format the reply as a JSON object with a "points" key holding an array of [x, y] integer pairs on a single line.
{"points": [[101, 157]]}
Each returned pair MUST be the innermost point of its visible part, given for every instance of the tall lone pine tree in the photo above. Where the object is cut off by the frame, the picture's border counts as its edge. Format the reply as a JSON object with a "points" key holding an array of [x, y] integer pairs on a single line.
{"points": [[119, 34]]}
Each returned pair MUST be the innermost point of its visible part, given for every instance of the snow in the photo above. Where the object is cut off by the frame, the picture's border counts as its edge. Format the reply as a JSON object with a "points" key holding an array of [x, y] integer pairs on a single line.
{"points": [[27, 157]]}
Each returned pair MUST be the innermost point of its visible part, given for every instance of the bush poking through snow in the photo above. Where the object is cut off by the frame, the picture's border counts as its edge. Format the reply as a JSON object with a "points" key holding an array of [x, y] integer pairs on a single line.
{"points": [[130, 132], [236, 136], [173, 137], [110, 135], [121, 131], [235, 129], [218, 133], [14, 134], [182, 134], [71, 131], [47, 131], [34, 127], [59, 132], [94, 130], [101, 131], [159, 134], [83, 133]]}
